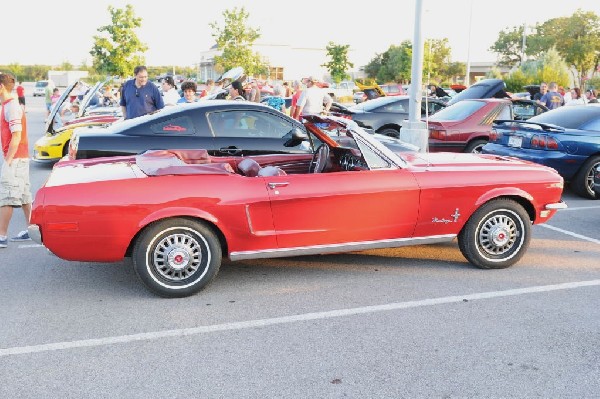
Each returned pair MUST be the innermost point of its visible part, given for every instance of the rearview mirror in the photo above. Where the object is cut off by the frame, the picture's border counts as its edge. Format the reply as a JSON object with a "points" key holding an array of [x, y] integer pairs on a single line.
{"points": [[295, 137]]}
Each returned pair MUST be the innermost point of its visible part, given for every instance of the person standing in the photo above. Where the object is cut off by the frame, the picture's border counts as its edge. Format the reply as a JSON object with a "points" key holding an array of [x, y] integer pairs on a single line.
{"points": [[189, 92], [576, 97], [15, 191], [169, 91], [313, 100], [254, 94], [276, 101], [21, 94], [295, 97], [543, 90], [552, 99], [591, 96], [235, 91], [139, 97], [48, 96]]}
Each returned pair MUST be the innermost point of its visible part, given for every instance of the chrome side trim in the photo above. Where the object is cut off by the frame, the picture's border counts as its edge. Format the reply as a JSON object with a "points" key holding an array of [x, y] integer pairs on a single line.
{"points": [[557, 205], [343, 247], [34, 233]]}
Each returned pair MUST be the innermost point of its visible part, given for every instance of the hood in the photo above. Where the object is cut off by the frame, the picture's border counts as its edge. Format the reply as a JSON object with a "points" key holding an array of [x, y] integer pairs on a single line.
{"points": [[485, 88], [57, 106]]}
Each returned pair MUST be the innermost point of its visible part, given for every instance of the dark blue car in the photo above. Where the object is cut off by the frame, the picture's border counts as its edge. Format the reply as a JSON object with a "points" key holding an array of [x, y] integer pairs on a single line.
{"points": [[566, 139]]}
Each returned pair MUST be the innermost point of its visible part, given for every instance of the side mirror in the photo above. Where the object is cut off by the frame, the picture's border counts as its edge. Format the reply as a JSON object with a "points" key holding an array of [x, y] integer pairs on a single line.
{"points": [[295, 137]]}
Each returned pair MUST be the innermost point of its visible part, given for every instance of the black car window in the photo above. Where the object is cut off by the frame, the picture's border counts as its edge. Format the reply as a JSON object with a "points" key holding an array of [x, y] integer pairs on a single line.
{"points": [[397, 106], [592, 125], [248, 123], [569, 117], [457, 111], [181, 125]]}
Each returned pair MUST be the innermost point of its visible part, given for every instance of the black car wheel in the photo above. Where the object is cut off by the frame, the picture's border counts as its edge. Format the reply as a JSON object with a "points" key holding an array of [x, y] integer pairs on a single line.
{"points": [[496, 235], [177, 257], [475, 146], [583, 183], [390, 132]]}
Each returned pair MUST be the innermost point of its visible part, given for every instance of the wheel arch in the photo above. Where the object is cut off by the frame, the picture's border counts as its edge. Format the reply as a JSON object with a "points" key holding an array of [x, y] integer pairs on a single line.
{"points": [[209, 220], [521, 197]]}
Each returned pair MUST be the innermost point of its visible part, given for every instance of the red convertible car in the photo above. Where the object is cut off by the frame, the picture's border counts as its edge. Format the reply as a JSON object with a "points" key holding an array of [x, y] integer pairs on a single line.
{"points": [[177, 213]]}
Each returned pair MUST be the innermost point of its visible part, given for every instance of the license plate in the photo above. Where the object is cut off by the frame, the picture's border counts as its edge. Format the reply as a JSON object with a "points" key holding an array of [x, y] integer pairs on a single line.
{"points": [[515, 141]]}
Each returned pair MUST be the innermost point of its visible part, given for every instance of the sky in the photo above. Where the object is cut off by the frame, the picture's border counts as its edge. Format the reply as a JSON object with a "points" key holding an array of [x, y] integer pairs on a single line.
{"points": [[52, 32]]}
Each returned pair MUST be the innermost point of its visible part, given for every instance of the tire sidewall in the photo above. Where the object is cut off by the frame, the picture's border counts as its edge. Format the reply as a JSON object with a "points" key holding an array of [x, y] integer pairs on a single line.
{"points": [[148, 272], [472, 247]]}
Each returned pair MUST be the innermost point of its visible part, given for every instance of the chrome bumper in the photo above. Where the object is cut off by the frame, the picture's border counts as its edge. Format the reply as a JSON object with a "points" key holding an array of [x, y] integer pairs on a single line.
{"points": [[35, 233]]}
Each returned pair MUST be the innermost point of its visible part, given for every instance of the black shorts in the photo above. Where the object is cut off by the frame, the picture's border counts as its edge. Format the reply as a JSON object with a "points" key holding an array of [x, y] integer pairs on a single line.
{"points": [[22, 100]]}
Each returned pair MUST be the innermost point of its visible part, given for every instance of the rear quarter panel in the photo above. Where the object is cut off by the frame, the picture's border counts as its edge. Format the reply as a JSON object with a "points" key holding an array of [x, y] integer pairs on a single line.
{"points": [[107, 215]]}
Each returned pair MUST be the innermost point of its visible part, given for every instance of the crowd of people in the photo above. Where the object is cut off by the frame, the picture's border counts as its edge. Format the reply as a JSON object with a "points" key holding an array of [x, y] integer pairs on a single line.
{"points": [[553, 96]]}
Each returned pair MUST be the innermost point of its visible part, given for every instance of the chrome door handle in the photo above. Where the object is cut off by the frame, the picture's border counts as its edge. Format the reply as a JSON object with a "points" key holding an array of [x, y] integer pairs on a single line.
{"points": [[275, 185]]}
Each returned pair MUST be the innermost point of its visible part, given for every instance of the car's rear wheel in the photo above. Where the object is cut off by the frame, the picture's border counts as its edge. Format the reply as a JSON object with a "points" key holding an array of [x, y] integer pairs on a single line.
{"points": [[497, 235], [65, 150], [390, 132], [583, 183], [177, 257], [475, 146]]}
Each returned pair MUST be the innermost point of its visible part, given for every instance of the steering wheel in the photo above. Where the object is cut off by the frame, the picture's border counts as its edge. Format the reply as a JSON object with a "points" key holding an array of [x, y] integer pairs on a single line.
{"points": [[319, 160]]}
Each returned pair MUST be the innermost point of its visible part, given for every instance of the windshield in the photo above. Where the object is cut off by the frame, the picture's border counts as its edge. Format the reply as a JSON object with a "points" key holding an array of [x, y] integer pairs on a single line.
{"points": [[458, 111]]}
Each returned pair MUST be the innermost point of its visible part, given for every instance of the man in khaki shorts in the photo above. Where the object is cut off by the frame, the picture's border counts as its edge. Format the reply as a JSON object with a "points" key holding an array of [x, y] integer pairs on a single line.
{"points": [[15, 191]]}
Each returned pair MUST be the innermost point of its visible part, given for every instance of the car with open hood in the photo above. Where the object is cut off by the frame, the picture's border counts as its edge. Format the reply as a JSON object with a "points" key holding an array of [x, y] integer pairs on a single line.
{"points": [[54, 144], [179, 213]]}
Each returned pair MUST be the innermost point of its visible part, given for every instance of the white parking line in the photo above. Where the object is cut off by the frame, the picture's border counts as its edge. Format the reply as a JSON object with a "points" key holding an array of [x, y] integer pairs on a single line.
{"points": [[241, 325], [570, 233], [581, 208]]}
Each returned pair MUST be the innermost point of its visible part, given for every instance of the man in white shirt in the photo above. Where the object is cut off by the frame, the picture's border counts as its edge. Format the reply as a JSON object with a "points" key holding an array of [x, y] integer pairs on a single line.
{"points": [[313, 100]]}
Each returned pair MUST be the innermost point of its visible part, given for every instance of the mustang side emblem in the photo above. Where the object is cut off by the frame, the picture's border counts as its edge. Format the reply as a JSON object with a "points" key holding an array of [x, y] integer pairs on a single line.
{"points": [[174, 128], [455, 216]]}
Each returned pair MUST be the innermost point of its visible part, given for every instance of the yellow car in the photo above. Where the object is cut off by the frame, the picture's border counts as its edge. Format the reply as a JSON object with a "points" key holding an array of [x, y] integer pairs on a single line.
{"points": [[55, 143]]}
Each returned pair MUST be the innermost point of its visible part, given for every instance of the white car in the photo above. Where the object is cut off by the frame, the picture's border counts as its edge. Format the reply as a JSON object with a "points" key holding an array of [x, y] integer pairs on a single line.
{"points": [[40, 88]]}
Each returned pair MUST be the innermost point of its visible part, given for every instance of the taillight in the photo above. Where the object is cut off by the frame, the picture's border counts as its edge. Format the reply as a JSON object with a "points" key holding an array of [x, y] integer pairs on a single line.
{"points": [[437, 134], [495, 135], [543, 142]]}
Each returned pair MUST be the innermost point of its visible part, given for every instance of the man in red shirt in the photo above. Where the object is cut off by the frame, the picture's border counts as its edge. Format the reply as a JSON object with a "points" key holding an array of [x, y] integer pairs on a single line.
{"points": [[15, 189], [21, 94]]}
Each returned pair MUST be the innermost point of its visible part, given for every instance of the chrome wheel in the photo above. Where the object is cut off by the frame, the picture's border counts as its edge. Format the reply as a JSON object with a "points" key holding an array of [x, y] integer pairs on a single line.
{"points": [[498, 235], [177, 256]]}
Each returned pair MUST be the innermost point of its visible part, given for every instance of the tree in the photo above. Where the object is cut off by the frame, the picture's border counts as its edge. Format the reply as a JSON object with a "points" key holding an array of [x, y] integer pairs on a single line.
{"points": [[509, 46], [338, 63], [392, 65], [117, 50], [575, 38], [235, 39]]}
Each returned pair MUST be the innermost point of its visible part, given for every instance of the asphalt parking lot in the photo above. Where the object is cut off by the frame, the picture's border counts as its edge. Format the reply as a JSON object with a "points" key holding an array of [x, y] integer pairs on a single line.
{"points": [[413, 322]]}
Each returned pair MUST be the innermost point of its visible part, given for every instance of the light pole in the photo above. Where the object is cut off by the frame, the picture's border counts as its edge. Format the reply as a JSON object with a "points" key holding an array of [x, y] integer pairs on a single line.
{"points": [[468, 75]]}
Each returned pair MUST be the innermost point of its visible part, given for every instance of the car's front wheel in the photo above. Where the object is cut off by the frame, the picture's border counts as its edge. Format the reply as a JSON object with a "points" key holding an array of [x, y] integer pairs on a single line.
{"points": [[497, 235], [177, 257]]}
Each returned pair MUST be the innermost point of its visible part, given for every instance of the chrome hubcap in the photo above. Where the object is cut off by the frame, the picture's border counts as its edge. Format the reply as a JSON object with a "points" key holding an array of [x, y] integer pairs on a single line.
{"points": [[177, 256], [498, 234]]}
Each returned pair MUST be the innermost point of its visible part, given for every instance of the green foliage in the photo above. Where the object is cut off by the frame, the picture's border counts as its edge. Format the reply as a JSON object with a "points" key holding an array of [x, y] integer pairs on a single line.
{"points": [[393, 65], [575, 38], [516, 80], [235, 39], [550, 67], [338, 63], [509, 46], [117, 50]]}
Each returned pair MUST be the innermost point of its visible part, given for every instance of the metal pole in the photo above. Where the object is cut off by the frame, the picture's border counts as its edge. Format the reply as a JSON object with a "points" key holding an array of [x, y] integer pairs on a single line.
{"points": [[414, 130], [468, 75]]}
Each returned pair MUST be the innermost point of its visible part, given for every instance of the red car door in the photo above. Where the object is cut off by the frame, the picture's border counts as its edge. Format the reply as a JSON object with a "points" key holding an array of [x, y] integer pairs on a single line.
{"points": [[329, 208]]}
